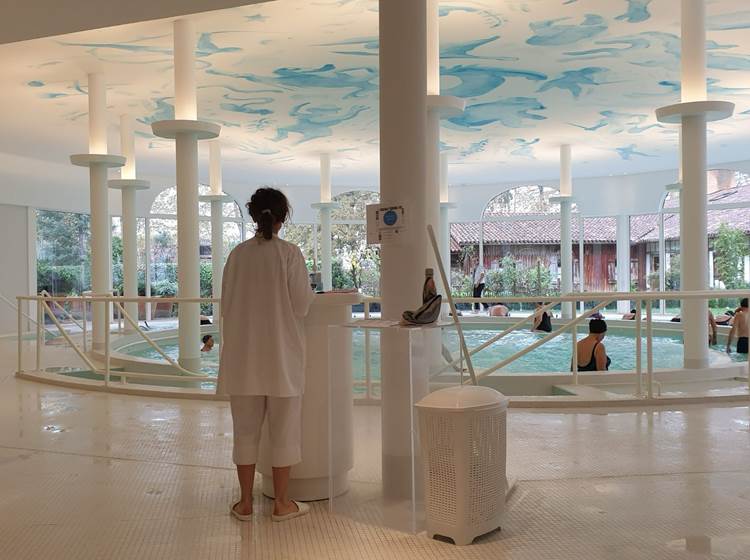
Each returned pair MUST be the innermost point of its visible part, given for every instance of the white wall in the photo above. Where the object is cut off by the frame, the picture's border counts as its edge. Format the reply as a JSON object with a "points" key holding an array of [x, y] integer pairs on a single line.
{"points": [[17, 261]]}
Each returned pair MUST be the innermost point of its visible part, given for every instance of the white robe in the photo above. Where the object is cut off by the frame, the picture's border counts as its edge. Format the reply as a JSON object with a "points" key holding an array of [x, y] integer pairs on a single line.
{"points": [[265, 296]]}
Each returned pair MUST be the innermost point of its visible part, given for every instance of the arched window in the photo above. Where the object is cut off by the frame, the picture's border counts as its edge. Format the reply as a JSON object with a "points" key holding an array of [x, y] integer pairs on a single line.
{"points": [[527, 199], [165, 204], [353, 205]]}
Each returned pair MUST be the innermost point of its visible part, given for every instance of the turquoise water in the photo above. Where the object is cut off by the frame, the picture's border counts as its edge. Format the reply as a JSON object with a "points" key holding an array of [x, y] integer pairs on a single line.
{"points": [[553, 356]]}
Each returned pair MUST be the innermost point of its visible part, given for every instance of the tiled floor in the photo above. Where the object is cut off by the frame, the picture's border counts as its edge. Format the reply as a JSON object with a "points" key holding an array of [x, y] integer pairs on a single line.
{"points": [[94, 476]]}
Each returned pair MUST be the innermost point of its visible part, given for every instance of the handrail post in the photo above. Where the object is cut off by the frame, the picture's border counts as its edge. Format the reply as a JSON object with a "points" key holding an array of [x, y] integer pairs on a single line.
{"points": [[368, 350], [20, 337], [39, 341], [574, 338], [84, 314], [107, 364], [649, 354], [638, 367]]}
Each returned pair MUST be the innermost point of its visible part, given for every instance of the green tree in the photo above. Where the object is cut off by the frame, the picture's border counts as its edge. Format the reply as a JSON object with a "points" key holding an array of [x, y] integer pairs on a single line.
{"points": [[730, 250]]}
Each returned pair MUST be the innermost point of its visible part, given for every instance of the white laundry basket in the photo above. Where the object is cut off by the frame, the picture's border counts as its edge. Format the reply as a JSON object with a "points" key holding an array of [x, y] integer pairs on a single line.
{"points": [[462, 434]]}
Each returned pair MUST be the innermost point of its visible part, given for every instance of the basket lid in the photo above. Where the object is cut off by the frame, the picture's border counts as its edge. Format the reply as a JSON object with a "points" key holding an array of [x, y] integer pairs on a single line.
{"points": [[464, 397]]}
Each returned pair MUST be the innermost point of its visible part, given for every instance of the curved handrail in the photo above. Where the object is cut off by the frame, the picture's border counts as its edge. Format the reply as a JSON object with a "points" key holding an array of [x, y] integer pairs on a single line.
{"points": [[67, 313], [16, 308], [153, 344], [59, 326]]}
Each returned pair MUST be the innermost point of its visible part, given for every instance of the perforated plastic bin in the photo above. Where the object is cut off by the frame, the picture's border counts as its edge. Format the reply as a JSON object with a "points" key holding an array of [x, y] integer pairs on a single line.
{"points": [[462, 435]]}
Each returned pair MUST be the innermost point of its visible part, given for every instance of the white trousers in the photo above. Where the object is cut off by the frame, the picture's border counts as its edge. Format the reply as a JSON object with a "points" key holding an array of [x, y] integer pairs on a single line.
{"points": [[284, 428]]}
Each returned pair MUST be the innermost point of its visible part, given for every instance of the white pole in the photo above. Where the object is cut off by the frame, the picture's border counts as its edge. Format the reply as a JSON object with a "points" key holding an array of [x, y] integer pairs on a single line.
{"points": [[623, 260], [129, 218], [662, 263], [214, 163], [101, 256], [130, 251], [188, 240], [445, 236], [127, 147], [403, 165], [638, 350], [581, 259], [147, 265], [188, 247], [693, 51], [325, 207], [186, 106], [325, 177], [433, 47], [97, 97], [566, 241], [694, 242], [432, 192], [217, 251]]}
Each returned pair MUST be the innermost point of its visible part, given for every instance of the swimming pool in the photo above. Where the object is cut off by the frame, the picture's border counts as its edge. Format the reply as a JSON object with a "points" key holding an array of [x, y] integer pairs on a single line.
{"points": [[553, 356]]}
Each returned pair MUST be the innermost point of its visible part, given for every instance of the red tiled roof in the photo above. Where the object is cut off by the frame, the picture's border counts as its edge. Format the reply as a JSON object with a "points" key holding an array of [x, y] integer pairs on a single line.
{"points": [[601, 230]]}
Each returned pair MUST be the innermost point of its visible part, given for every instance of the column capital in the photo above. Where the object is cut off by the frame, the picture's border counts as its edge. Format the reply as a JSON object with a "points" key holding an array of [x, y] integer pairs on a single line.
{"points": [[562, 199], [90, 160], [125, 184], [215, 198], [446, 106], [711, 110], [172, 128]]}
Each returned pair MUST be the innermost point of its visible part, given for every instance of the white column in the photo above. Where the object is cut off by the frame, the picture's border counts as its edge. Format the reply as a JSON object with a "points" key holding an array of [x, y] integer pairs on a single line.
{"points": [[433, 47], [623, 260], [566, 239], [129, 253], [186, 105], [97, 94], [98, 161], [147, 264], [217, 199], [187, 131], [694, 242], [214, 167], [188, 250], [128, 184], [662, 263], [403, 181], [325, 177], [432, 192], [693, 51], [324, 208], [101, 255], [445, 208], [581, 259]]}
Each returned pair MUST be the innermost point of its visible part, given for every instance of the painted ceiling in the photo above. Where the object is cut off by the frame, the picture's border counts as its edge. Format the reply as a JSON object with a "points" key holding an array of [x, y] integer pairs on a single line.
{"points": [[289, 78]]}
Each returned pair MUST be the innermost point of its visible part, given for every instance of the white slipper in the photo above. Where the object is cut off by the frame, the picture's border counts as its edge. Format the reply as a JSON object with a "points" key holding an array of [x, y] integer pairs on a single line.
{"points": [[239, 516], [302, 509]]}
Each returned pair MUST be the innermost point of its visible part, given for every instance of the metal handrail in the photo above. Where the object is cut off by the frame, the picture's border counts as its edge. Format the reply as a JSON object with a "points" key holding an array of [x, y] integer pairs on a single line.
{"points": [[65, 311], [151, 342]]}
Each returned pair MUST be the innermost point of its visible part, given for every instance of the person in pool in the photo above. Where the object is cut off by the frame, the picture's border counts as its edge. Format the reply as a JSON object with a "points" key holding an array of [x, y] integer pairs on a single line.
{"points": [[739, 325], [208, 343], [542, 321], [499, 310], [592, 355]]}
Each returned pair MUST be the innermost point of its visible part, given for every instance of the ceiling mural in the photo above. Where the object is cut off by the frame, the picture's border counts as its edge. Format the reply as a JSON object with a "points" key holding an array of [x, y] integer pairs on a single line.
{"points": [[290, 78]]}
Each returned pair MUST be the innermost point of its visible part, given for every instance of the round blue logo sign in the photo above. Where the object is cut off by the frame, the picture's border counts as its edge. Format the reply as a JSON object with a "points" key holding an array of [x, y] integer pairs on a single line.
{"points": [[390, 218]]}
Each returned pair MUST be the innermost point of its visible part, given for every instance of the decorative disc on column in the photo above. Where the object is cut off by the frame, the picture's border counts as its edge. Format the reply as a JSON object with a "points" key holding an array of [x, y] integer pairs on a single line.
{"points": [[215, 198], [712, 110], [136, 184], [171, 128], [107, 160], [561, 198], [446, 105]]}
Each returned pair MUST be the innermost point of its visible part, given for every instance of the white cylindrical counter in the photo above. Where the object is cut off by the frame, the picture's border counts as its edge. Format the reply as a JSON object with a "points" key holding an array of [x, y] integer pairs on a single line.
{"points": [[310, 478]]}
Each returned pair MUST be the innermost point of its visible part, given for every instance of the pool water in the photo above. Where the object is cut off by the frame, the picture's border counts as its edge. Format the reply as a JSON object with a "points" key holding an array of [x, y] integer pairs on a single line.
{"points": [[553, 356]]}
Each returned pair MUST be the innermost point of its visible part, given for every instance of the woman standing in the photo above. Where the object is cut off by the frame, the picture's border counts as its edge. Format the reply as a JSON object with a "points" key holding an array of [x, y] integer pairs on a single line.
{"points": [[265, 296]]}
